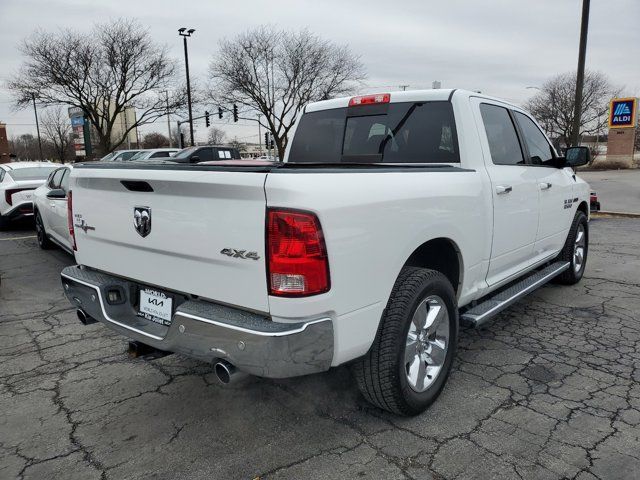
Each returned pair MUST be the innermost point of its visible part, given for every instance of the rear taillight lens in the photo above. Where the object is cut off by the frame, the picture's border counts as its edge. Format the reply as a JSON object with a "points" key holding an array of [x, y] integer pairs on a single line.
{"points": [[72, 233], [296, 254], [9, 193]]}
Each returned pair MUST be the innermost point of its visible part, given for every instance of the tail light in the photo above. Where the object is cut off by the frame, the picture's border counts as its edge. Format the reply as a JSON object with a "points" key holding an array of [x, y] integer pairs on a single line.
{"points": [[370, 99], [296, 254], [9, 193], [72, 233]]}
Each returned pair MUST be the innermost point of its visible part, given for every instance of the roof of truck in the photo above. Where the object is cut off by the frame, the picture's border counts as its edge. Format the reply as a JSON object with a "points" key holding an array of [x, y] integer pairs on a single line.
{"points": [[431, 95]]}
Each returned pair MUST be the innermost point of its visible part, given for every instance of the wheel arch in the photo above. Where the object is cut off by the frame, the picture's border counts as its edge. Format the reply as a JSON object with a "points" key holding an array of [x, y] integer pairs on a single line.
{"points": [[584, 208], [441, 254]]}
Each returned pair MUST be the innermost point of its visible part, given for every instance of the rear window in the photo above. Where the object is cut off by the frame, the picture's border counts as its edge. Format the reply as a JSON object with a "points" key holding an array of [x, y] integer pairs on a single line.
{"points": [[31, 173], [422, 132]]}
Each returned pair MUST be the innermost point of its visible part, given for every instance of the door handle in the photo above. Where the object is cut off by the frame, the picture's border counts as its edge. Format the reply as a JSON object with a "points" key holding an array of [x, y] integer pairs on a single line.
{"points": [[503, 189], [545, 185]]}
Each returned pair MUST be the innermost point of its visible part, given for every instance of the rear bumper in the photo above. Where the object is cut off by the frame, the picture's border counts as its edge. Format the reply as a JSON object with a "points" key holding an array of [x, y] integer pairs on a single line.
{"points": [[205, 330], [18, 212]]}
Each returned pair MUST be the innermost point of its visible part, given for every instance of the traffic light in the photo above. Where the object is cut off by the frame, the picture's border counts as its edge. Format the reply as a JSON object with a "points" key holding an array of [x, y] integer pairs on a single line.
{"points": [[219, 112], [273, 144], [206, 119], [235, 112], [266, 140]]}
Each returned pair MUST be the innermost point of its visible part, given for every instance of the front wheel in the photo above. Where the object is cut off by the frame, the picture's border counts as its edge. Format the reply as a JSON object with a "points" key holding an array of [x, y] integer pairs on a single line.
{"points": [[575, 250], [411, 357], [41, 234]]}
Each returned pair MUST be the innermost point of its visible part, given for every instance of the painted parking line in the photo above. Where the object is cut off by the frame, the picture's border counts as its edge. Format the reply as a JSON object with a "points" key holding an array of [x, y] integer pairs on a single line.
{"points": [[17, 238]]}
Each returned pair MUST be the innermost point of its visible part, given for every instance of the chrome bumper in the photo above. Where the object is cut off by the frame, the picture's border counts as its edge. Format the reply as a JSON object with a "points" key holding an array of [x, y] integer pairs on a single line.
{"points": [[207, 331]]}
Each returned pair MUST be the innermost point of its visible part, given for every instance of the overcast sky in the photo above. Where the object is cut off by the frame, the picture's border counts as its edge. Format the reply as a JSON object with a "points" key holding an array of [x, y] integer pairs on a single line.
{"points": [[498, 47]]}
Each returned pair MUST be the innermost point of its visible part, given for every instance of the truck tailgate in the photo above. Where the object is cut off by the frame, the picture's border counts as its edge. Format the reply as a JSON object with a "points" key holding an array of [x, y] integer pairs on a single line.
{"points": [[195, 216]]}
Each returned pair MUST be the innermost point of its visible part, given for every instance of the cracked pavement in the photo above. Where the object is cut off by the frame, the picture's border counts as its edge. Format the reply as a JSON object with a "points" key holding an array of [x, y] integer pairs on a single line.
{"points": [[549, 390]]}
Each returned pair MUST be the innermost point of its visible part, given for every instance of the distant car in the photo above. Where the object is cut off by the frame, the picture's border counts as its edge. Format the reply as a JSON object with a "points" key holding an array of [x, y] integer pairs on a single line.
{"points": [[205, 154], [594, 202], [18, 180], [119, 155], [153, 153], [50, 210]]}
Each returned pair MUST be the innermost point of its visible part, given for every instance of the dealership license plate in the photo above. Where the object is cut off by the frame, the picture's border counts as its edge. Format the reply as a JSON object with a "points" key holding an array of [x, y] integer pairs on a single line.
{"points": [[155, 306]]}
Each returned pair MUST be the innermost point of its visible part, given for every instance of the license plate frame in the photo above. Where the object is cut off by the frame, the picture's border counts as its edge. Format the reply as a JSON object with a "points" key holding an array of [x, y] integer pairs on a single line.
{"points": [[155, 305]]}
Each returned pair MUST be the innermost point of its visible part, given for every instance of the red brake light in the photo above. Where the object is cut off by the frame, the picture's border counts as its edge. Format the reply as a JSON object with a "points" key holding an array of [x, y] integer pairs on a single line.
{"points": [[296, 254], [72, 232], [370, 99], [9, 193]]}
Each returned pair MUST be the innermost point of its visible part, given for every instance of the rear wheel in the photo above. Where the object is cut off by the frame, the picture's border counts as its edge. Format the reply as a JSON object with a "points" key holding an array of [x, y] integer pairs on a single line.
{"points": [[575, 250], [411, 357], [41, 234]]}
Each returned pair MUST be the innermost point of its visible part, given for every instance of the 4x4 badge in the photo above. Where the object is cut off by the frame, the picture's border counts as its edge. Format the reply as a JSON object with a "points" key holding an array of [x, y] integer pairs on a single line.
{"points": [[232, 252]]}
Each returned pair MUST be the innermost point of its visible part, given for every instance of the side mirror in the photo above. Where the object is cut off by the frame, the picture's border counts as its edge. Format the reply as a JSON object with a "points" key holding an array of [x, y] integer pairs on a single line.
{"points": [[577, 156], [195, 159], [57, 193]]}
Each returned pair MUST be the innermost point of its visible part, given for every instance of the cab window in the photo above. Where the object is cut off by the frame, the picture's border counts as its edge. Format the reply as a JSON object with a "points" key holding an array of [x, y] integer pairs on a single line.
{"points": [[501, 135], [539, 149]]}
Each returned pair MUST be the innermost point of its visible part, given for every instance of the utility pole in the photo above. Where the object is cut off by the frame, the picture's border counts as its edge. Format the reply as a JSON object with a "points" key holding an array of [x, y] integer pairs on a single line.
{"points": [[577, 109], [168, 119], [35, 111], [181, 32]]}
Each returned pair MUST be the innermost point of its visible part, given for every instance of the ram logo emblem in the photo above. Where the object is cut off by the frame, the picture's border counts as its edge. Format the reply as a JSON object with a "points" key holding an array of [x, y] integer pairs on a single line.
{"points": [[142, 220]]}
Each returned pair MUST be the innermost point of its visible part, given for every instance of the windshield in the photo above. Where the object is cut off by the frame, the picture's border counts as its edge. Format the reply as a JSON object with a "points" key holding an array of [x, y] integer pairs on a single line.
{"points": [[31, 173], [138, 155], [423, 132], [184, 153], [109, 156]]}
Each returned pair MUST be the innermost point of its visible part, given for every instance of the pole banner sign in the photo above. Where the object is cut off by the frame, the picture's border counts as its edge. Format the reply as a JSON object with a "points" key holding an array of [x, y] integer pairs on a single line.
{"points": [[622, 113]]}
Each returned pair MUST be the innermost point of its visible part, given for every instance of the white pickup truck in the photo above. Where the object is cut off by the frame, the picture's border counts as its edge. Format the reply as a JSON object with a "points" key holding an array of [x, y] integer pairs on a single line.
{"points": [[393, 218]]}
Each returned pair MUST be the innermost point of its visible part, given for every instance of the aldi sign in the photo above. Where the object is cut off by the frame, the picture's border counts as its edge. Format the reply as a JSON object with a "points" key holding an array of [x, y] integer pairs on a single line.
{"points": [[622, 113]]}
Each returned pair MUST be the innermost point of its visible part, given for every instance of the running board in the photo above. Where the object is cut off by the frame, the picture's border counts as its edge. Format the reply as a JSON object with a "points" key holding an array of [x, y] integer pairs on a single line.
{"points": [[483, 312]]}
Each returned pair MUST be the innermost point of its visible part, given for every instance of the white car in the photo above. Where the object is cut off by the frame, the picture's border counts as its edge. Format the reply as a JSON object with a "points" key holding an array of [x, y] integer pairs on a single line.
{"points": [[18, 180], [393, 218], [50, 210], [152, 154], [119, 155]]}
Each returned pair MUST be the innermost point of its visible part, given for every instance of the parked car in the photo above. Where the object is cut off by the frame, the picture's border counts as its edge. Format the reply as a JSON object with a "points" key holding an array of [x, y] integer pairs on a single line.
{"points": [[393, 218], [594, 202], [205, 154], [50, 210], [119, 155], [18, 180], [150, 154]]}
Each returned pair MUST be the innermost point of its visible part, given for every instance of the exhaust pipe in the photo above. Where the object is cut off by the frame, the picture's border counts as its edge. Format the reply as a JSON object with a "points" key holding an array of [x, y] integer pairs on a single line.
{"points": [[84, 318], [227, 373]]}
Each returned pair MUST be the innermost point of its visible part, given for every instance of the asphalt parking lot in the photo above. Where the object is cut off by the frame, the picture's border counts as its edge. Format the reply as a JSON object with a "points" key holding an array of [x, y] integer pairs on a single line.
{"points": [[550, 390], [618, 190]]}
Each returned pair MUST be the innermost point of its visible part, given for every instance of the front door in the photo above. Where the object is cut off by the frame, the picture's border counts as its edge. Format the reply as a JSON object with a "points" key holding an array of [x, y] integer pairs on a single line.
{"points": [[514, 185], [555, 186]]}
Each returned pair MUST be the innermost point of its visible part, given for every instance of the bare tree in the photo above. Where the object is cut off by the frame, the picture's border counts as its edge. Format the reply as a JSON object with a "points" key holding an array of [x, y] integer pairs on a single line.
{"points": [[56, 128], [239, 145], [553, 105], [216, 136], [155, 140], [115, 66], [275, 73]]}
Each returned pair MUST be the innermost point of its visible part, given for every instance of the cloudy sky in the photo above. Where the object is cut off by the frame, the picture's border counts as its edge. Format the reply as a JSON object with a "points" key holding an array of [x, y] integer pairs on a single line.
{"points": [[497, 46]]}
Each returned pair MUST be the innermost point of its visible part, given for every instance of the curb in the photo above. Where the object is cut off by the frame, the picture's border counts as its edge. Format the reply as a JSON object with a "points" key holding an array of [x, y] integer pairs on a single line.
{"points": [[603, 214]]}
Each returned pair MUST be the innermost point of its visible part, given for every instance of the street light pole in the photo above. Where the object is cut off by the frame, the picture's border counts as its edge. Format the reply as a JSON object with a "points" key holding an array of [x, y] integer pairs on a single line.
{"points": [[184, 35], [577, 109], [35, 111], [168, 119]]}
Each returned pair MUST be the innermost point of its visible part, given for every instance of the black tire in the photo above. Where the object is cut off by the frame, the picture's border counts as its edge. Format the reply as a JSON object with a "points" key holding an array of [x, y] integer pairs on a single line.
{"points": [[41, 234], [573, 275], [381, 374]]}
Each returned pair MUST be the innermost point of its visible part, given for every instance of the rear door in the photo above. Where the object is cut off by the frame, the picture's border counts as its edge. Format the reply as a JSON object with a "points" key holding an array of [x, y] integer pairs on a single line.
{"points": [[514, 189], [203, 232], [555, 186]]}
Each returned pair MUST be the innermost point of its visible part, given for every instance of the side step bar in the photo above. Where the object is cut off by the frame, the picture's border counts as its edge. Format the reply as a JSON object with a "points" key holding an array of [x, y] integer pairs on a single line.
{"points": [[483, 312]]}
